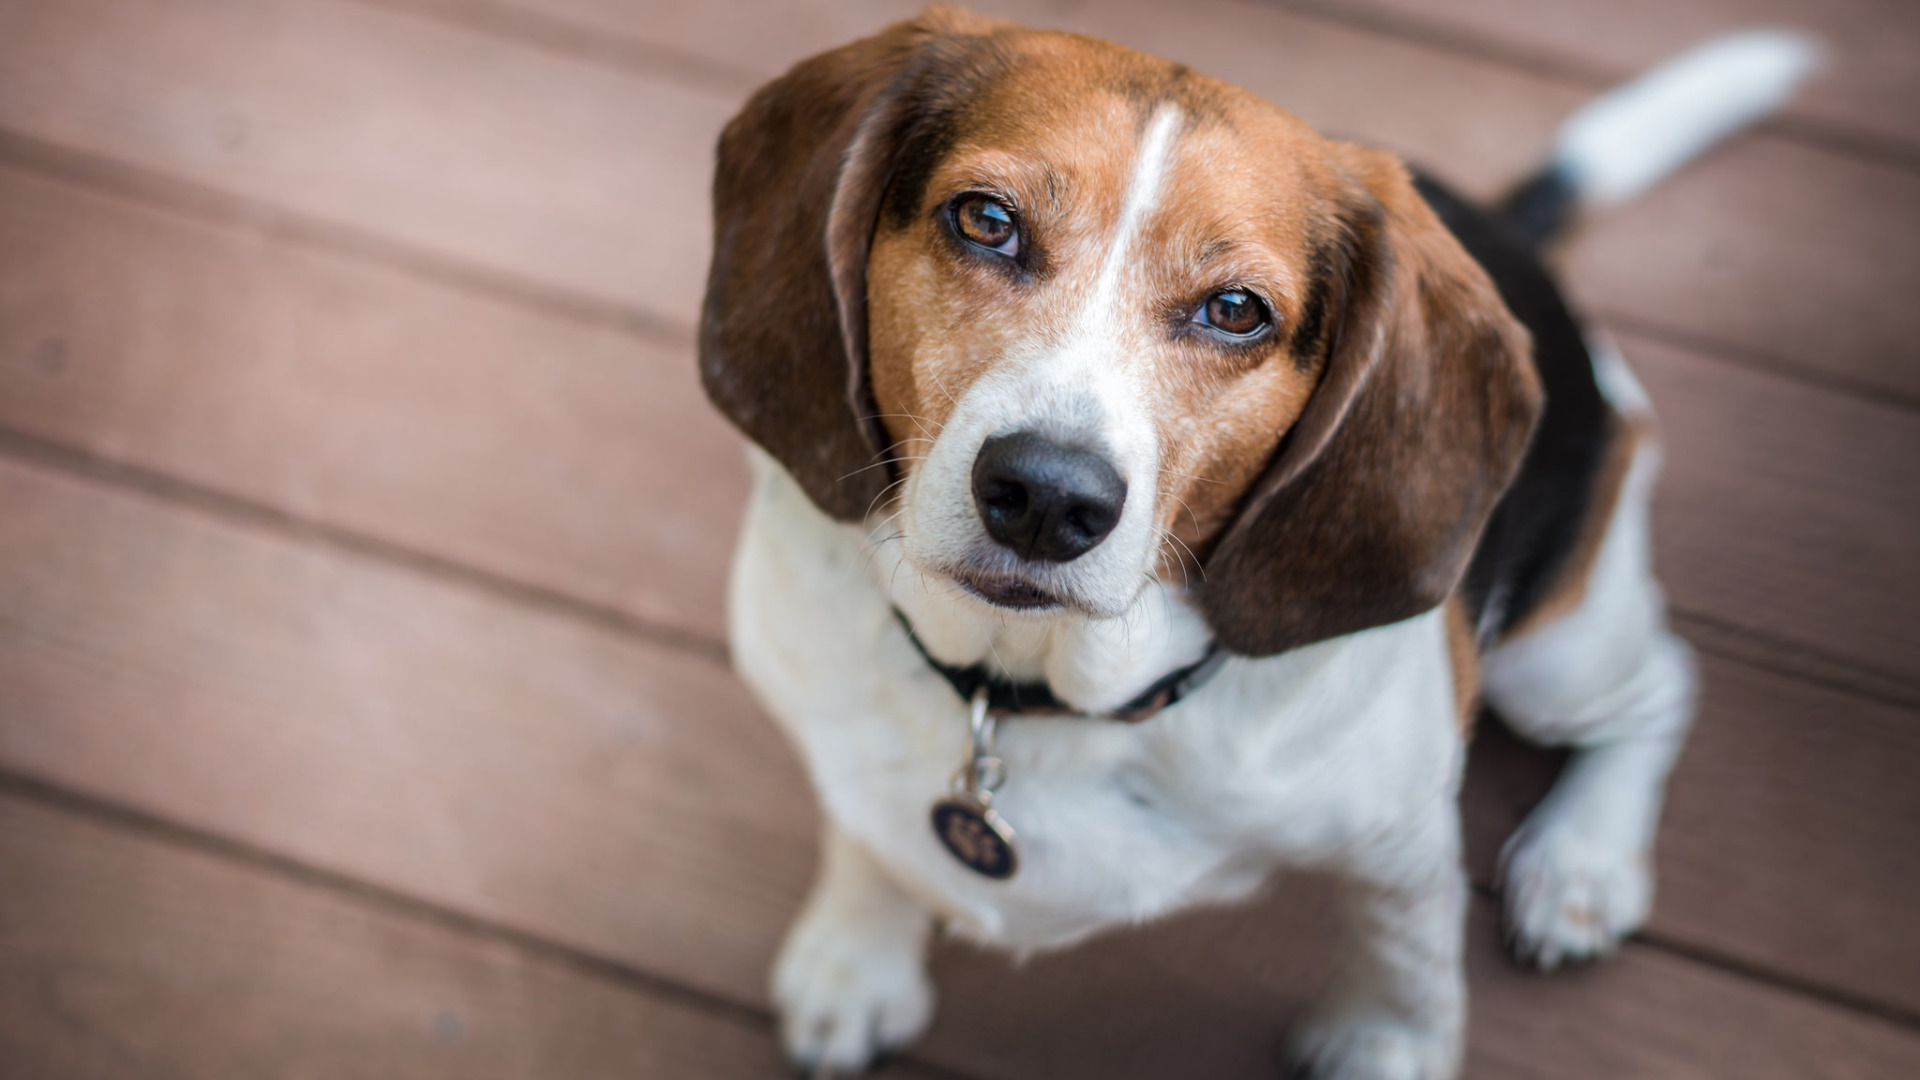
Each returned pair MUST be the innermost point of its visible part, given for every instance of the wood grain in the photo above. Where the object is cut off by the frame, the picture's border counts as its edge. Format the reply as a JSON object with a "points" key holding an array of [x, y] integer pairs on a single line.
{"points": [[1863, 91], [1840, 236], [122, 955], [1212, 994], [583, 460], [532, 165], [1762, 851], [484, 757], [588, 174], [572, 457], [353, 474], [1786, 510], [401, 730]]}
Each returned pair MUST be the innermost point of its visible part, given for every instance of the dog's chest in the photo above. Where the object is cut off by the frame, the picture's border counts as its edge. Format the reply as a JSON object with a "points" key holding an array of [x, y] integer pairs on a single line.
{"points": [[1112, 822], [1105, 826]]}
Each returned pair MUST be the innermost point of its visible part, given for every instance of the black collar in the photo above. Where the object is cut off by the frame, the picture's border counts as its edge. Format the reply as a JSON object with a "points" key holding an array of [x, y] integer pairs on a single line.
{"points": [[1030, 698]]}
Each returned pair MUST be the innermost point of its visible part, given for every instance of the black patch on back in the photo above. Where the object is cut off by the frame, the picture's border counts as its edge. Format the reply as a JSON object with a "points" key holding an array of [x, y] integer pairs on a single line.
{"points": [[1537, 523], [1539, 208]]}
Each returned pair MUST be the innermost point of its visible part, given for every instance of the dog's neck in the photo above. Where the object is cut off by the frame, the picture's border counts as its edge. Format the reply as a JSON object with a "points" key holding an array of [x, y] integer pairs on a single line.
{"points": [[1093, 664]]}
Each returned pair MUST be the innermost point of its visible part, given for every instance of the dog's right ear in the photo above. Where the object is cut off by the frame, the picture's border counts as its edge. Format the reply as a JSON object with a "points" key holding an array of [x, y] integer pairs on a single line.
{"points": [[801, 174]]}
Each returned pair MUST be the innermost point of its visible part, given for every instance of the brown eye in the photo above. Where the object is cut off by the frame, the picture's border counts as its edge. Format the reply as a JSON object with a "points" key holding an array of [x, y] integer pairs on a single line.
{"points": [[986, 221], [1234, 312]]}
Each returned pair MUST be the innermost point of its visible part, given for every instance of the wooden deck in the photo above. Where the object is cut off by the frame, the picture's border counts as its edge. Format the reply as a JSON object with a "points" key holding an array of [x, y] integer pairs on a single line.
{"points": [[363, 706]]}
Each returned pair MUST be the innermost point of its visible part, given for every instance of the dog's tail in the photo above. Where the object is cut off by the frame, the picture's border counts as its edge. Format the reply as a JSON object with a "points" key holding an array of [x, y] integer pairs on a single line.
{"points": [[1627, 140]]}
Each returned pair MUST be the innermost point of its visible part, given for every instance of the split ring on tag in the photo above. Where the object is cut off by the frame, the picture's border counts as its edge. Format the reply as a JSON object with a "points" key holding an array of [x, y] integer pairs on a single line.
{"points": [[965, 821]]}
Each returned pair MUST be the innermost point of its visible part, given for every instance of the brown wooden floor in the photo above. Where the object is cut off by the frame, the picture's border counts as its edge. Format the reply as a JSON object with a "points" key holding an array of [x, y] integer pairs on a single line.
{"points": [[362, 528]]}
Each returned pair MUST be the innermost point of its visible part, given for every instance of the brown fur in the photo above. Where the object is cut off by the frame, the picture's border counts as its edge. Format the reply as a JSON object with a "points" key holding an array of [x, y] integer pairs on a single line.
{"points": [[1235, 211], [1463, 653], [1371, 511], [1329, 478]]}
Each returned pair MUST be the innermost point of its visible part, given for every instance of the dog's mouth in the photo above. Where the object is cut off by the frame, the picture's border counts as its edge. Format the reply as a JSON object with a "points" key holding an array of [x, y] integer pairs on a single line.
{"points": [[1003, 590]]}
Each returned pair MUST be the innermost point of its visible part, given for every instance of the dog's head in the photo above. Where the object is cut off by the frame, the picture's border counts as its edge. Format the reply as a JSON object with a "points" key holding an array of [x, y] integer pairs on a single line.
{"points": [[1102, 319]]}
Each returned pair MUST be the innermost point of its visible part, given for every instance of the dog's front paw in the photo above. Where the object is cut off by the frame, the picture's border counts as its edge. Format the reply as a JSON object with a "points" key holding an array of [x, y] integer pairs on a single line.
{"points": [[1361, 1046], [1568, 896], [847, 994]]}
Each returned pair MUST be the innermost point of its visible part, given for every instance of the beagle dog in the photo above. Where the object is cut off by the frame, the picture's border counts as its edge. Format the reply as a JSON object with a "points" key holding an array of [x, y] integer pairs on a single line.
{"points": [[1147, 490]]}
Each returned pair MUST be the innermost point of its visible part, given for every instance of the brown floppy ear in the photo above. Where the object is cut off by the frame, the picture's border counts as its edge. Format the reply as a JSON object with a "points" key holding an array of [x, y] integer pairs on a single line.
{"points": [[800, 176], [1375, 500]]}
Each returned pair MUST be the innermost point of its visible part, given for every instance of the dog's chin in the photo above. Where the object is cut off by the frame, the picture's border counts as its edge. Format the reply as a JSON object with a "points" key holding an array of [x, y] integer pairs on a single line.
{"points": [[1010, 593]]}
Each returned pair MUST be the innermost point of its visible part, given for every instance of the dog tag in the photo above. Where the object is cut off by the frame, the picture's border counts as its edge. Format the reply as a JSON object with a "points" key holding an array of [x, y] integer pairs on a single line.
{"points": [[975, 835], [965, 821]]}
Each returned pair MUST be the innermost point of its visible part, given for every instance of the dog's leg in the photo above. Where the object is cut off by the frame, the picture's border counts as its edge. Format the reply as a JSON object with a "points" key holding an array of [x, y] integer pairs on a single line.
{"points": [[1398, 1011], [1608, 679], [851, 979]]}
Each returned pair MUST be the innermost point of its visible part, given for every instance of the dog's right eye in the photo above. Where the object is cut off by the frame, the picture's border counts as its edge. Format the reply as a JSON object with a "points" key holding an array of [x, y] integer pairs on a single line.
{"points": [[985, 221]]}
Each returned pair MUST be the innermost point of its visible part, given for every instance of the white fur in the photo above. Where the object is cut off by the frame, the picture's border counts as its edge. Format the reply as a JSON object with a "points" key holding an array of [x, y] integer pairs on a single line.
{"points": [[850, 980], [1624, 142], [1342, 755], [1087, 390], [1610, 680]]}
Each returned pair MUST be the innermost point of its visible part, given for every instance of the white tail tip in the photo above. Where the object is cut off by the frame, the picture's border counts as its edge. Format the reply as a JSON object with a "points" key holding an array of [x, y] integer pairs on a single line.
{"points": [[1623, 143]]}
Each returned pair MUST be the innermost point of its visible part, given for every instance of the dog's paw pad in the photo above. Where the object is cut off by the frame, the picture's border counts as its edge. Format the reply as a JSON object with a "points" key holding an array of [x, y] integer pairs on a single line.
{"points": [[1372, 1048], [1568, 899], [845, 1000]]}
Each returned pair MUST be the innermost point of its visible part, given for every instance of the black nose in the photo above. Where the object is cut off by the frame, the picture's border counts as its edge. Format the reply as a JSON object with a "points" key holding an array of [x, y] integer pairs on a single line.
{"points": [[1044, 500]]}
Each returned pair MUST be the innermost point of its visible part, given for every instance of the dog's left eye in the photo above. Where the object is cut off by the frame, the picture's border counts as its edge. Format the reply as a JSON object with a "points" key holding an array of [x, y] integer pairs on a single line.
{"points": [[987, 222], [1233, 312]]}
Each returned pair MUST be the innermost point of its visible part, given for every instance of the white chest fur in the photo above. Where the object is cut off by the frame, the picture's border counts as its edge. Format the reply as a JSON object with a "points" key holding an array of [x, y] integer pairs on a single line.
{"points": [[1301, 759]]}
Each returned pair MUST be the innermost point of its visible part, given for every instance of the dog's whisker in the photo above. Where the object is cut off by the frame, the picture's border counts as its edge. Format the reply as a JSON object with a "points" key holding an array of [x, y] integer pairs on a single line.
{"points": [[920, 422]]}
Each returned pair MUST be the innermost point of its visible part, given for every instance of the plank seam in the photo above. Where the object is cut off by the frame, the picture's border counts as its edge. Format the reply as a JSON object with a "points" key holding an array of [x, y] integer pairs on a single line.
{"points": [[235, 509], [267, 222], [62, 798], [221, 209], [1784, 982], [1751, 359], [1566, 69], [1859, 680], [160, 829], [576, 41], [612, 49], [226, 507], [1892, 690]]}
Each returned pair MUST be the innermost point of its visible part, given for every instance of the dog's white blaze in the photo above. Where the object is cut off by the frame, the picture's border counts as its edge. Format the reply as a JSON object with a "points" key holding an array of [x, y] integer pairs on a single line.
{"points": [[1143, 193]]}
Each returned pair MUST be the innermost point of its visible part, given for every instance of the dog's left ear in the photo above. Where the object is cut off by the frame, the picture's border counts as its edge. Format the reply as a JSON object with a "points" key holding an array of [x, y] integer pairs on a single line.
{"points": [[797, 187], [1373, 503]]}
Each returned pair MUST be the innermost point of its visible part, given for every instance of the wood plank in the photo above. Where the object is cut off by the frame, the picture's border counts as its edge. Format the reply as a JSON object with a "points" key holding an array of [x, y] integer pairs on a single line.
{"points": [[510, 764], [585, 461], [128, 954], [627, 800], [573, 457], [1646, 1014], [1212, 994], [589, 175], [123, 955], [1868, 74], [1863, 91], [1785, 509], [535, 166], [1772, 849], [1687, 258], [1806, 291]]}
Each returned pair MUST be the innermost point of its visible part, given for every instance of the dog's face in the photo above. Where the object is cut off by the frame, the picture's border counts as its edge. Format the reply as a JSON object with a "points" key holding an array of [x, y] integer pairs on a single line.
{"points": [[1071, 318], [1091, 318]]}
